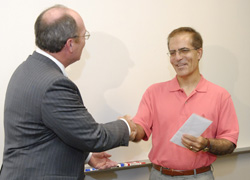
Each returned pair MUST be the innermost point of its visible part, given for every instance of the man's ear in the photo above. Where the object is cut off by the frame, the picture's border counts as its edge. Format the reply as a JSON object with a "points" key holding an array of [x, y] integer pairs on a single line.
{"points": [[200, 53], [69, 45]]}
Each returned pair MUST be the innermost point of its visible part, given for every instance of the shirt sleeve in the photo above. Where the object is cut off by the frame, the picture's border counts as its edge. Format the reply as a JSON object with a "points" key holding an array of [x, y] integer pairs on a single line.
{"points": [[126, 124], [88, 158], [143, 116], [228, 127]]}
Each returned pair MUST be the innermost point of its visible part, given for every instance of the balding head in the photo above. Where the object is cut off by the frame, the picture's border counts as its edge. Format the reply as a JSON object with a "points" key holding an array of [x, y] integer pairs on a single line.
{"points": [[54, 26], [54, 13]]}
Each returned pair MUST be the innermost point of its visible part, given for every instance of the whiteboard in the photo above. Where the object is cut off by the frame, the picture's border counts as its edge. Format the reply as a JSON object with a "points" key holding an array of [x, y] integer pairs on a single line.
{"points": [[127, 49]]}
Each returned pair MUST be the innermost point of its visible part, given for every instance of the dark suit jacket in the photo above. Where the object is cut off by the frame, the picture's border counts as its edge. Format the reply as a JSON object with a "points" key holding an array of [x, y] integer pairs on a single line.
{"points": [[48, 130]]}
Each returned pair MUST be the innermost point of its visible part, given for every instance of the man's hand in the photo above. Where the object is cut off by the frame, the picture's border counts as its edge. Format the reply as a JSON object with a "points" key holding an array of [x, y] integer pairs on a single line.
{"points": [[194, 144], [217, 146], [132, 126], [140, 133], [101, 161]]}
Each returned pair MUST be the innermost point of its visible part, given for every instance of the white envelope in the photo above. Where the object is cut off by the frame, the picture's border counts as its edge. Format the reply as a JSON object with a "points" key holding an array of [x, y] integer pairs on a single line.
{"points": [[195, 126]]}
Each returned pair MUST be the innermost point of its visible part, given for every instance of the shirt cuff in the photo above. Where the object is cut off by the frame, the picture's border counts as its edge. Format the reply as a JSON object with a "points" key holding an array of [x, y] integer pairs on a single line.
{"points": [[129, 130], [88, 158]]}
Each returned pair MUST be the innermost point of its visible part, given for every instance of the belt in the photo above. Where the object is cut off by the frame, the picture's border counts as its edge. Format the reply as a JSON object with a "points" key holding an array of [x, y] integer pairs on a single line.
{"points": [[173, 172]]}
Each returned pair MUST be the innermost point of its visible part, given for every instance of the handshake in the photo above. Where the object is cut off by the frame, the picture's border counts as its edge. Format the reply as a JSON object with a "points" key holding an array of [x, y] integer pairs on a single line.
{"points": [[133, 128]]}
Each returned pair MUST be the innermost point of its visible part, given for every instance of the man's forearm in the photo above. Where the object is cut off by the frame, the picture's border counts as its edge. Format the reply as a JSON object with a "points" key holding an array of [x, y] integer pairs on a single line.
{"points": [[221, 146]]}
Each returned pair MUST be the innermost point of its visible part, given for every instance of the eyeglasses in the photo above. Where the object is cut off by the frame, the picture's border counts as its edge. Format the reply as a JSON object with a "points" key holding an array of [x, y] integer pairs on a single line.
{"points": [[86, 36], [182, 52]]}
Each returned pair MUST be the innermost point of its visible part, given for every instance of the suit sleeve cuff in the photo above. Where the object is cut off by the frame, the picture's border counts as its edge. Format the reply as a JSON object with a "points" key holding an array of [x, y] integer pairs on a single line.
{"points": [[88, 158], [129, 130]]}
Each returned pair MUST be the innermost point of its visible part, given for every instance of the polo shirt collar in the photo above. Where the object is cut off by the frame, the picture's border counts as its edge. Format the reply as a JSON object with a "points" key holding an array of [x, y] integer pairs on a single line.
{"points": [[201, 87]]}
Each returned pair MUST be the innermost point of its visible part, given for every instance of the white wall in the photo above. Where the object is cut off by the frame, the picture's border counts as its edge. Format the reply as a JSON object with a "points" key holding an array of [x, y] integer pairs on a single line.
{"points": [[127, 52]]}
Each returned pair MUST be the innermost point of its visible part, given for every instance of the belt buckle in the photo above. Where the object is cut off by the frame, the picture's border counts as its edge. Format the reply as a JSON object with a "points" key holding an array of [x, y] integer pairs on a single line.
{"points": [[171, 172], [168, 169]]}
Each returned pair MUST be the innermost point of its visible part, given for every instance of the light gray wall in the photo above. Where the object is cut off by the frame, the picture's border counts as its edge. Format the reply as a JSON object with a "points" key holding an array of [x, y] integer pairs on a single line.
{"points": [[127, 49]]}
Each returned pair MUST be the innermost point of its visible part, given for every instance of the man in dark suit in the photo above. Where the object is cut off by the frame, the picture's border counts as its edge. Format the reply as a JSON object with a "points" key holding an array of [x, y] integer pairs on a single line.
{"points": [[48, 130]]}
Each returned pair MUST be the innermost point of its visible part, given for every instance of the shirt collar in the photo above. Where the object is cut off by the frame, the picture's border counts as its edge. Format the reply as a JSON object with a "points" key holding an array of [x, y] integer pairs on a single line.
{"points": [[58, 63], [201, 86]]}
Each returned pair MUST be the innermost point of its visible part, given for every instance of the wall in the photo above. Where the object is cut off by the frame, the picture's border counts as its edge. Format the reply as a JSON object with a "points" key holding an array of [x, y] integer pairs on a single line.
{"points": [[127, 52]]}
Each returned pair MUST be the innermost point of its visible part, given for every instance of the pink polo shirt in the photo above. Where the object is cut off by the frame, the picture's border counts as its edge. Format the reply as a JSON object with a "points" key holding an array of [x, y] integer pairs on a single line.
{"points": [[165, 107]]}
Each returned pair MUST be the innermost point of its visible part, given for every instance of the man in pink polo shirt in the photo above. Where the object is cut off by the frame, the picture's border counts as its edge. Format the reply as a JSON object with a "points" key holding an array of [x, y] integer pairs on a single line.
{"points": [[166, 106]]}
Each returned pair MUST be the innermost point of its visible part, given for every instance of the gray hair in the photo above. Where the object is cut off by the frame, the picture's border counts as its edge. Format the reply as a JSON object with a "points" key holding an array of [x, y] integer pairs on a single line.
{"points": [[53, 36]]}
